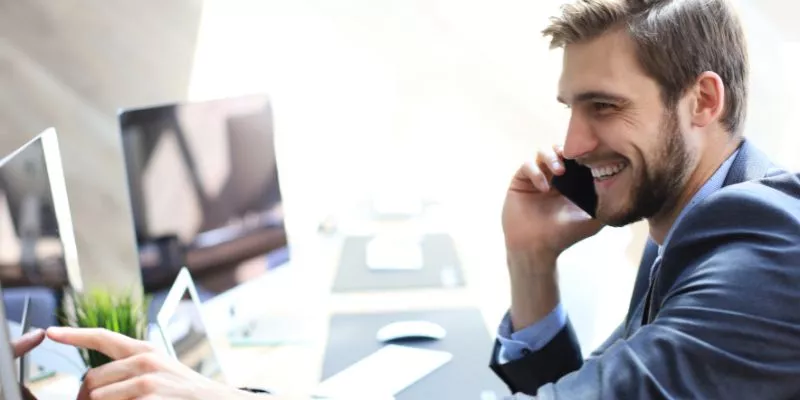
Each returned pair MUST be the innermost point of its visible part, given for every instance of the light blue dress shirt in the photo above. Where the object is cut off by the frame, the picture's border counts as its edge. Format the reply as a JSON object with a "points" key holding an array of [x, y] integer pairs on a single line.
{"points": [[517, 344]]}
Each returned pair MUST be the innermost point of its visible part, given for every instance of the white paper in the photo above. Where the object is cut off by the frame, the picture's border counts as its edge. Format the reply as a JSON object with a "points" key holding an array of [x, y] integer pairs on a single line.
{"points": [[383, 373], [391, 252]]}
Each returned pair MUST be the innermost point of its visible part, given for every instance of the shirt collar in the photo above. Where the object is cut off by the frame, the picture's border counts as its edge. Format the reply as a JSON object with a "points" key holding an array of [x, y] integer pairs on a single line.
{"points": [[712, 185]]}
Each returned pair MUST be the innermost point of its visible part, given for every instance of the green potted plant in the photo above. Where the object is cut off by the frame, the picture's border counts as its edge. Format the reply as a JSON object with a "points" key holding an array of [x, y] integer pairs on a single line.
{"points": [[124, 313]]}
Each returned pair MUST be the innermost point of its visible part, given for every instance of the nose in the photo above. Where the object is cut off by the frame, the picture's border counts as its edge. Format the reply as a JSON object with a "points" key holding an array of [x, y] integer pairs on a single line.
{"points": [[580, 139]]}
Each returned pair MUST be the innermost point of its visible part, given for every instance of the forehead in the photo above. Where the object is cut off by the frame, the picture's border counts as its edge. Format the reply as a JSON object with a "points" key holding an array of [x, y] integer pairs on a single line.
{"points": [[605, 64]]}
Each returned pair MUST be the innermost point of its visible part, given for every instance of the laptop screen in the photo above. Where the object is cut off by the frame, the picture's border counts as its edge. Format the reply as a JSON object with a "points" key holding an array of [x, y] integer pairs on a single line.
{"points": [[36, 234], [190, 341]]}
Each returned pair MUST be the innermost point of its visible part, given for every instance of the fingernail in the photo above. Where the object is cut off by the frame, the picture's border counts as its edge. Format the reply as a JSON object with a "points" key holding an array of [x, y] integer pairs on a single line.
{"points": [[54, 330], [556, 165]]}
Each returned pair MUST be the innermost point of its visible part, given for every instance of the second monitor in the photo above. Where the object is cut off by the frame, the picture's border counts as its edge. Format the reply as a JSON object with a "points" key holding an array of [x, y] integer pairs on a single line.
{"points": [[204, 188]]}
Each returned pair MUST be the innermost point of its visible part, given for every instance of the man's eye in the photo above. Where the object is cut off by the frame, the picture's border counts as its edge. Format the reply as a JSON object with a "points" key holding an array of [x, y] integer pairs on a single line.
{"points": [[604, 106]]}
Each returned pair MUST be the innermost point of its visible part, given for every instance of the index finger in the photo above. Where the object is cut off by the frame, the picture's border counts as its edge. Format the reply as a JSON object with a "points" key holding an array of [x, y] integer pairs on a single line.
{"points": [[112, 344], [551, 161], [559, 149]]}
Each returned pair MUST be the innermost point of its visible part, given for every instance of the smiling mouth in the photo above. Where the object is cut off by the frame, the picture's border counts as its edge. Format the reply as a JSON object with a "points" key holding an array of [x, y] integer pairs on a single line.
{"points": [[608, 171]]}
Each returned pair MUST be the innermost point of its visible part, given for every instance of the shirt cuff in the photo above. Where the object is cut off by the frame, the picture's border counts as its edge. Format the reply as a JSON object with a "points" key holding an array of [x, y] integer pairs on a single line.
{"points": [[516, 345]]}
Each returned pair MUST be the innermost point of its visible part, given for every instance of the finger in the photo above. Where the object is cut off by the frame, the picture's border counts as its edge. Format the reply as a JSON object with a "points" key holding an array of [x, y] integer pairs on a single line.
{"points": [[135, 388], [537, 177], [83, 393], [115, 345], [26, 394], [119, 371], [550, 160], [559, 149], [28, 342]]}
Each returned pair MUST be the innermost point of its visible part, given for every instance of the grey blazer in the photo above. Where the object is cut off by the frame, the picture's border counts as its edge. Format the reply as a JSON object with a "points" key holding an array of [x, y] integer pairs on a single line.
{"points": [[719, 320]]}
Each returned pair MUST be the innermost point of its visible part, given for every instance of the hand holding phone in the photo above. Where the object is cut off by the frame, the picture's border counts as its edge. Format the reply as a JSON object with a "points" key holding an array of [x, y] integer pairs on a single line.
{"points": [[539, 214], [577, 185]]}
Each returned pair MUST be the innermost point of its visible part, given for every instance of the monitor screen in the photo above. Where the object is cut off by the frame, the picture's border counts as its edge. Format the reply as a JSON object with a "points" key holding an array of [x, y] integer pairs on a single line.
{"points": [[205, 175], [32, 194], [190, 341]]}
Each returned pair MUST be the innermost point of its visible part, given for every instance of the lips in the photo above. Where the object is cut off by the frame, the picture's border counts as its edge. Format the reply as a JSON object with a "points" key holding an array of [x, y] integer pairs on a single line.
{"points": [[608, 170]]}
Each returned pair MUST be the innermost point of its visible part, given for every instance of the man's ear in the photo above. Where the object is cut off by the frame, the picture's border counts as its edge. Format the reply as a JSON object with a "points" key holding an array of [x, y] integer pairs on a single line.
{"points": [[708, 102]]}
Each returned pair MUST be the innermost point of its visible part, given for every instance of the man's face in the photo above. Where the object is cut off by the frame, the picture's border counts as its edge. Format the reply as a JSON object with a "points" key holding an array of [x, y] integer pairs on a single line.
{"points": [[620, 128]]}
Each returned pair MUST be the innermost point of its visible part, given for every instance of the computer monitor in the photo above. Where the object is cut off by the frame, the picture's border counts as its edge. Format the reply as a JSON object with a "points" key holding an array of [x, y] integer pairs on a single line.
{"points": [[37, 240], [203, 179]]}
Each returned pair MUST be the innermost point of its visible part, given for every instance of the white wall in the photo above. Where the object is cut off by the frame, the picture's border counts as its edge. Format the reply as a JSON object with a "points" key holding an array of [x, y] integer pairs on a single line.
{"points": [[775, 85]]}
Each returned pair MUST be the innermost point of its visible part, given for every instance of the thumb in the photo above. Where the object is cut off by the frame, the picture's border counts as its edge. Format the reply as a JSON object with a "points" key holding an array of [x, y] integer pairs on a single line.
{"points": [[28, 342], [26, 394], [83, 393]]}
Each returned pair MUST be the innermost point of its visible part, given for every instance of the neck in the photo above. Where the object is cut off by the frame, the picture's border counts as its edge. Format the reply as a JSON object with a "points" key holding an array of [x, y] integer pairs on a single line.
{"points": [[708, 163]]}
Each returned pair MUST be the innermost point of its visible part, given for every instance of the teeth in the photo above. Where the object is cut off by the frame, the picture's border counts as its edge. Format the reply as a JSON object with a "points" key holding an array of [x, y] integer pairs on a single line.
{"points": [[608, 170]]}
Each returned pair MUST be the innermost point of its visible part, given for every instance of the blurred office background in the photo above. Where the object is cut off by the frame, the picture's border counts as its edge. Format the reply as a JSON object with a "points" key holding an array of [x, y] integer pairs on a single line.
{"points": [[439, 99]]}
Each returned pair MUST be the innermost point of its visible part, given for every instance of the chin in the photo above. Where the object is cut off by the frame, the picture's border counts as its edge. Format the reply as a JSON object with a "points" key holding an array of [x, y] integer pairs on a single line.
{"points": [[617, 218]]}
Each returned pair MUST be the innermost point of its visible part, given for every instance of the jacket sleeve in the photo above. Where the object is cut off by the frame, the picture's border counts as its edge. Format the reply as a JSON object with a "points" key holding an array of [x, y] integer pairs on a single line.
{"points": [[725, 322], [558, 357], [562, 354]]}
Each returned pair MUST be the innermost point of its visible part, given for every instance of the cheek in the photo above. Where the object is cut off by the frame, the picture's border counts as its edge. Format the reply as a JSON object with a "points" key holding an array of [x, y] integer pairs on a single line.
{"points": [[619, 138]]}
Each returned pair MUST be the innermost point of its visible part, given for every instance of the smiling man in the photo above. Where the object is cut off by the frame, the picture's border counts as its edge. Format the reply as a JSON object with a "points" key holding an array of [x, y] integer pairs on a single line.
{"points": [[657, 92]]}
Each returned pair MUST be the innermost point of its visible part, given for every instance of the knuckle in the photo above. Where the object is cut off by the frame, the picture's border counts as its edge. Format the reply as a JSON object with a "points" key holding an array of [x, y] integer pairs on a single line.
{"points": [[146, 384], [90, 380], [99, 331], [147, 362], [147, 347], [98, 335]]}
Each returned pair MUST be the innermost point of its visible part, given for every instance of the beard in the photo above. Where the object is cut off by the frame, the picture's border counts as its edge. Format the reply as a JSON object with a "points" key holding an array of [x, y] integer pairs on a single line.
{"points": [[657, 185]]}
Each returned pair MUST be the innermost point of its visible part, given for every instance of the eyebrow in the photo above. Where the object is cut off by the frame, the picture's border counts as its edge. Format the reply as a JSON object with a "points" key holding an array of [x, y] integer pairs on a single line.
{"points": [[597, 96]]}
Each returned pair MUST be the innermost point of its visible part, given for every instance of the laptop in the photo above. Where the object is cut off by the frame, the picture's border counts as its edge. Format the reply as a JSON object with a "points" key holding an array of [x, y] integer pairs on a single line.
{"points": [[184, 331], [9, 381], [35, 213]]}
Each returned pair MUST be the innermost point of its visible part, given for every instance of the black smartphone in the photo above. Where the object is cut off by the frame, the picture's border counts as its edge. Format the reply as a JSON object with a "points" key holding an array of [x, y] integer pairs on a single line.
{"points": [[577, 184]]}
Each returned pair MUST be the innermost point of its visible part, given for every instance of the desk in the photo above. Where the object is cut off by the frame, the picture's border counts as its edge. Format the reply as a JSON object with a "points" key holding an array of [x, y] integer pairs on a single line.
{"points": [[298, 368]]}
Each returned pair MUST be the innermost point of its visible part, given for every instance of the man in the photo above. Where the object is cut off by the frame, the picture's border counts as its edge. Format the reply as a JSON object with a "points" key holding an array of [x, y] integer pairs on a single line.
{"points": [[657, 92]]}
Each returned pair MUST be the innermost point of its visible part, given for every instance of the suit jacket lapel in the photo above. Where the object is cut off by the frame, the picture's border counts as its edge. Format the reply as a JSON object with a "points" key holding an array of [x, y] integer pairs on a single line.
{"points": [[640, 288]]}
